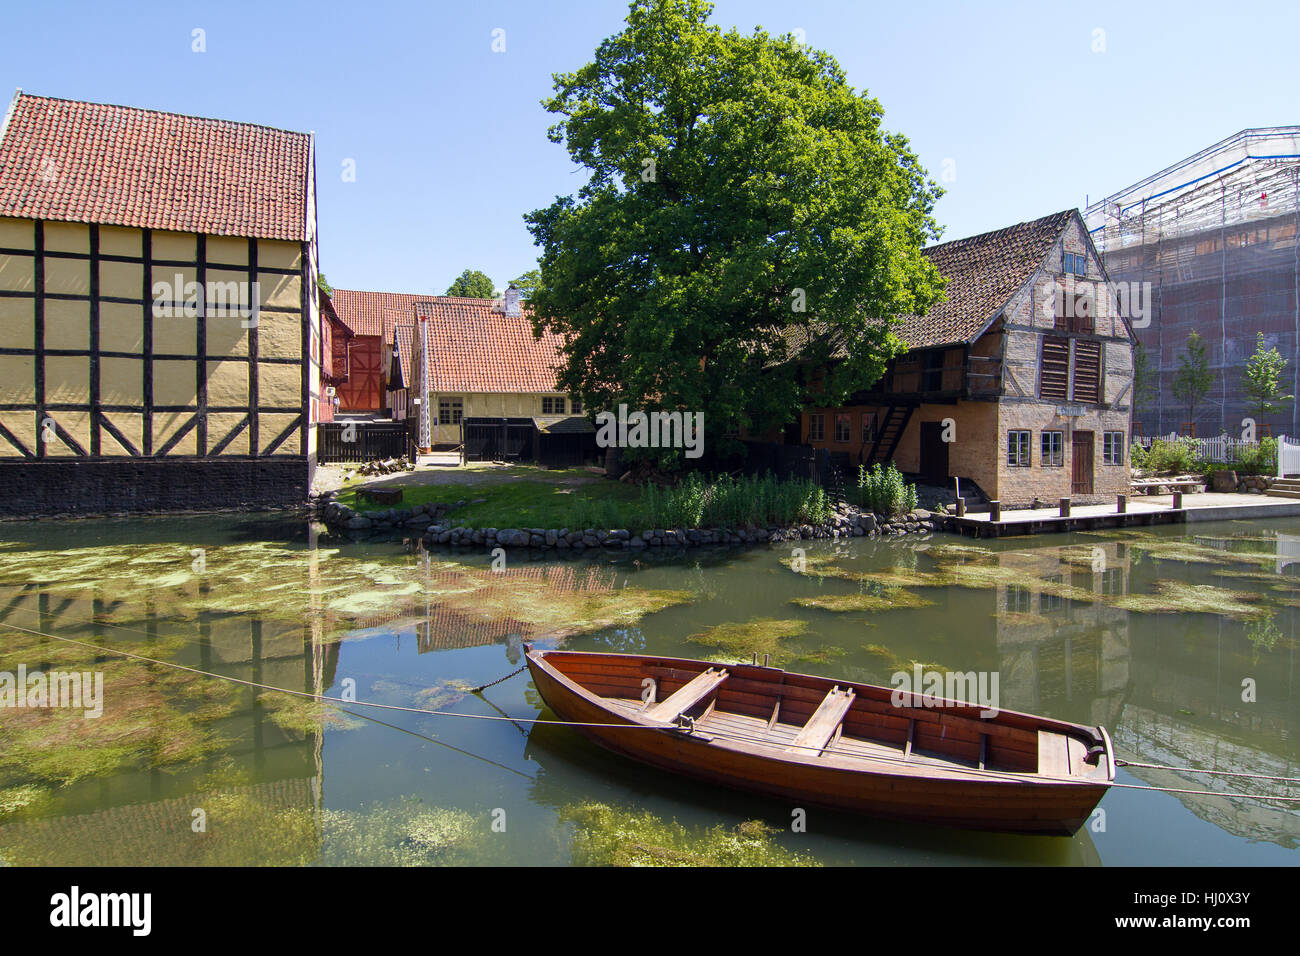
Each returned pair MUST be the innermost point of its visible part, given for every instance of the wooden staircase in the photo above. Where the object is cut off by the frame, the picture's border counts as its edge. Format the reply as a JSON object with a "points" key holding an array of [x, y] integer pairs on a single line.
{"points": [[890, 433]]}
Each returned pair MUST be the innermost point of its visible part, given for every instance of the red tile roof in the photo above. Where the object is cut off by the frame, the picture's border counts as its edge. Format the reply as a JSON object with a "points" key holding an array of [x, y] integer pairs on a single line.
{"points": [[88, 162], [363, 312], [474, 349]]}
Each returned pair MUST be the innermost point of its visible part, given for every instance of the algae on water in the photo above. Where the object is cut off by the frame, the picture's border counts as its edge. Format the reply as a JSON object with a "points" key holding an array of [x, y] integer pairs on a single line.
{"points": [[609, 836]]}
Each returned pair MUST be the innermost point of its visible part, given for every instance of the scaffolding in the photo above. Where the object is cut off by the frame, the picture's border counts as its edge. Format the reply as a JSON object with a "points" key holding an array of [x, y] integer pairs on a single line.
{"points": [[1215, 236]]}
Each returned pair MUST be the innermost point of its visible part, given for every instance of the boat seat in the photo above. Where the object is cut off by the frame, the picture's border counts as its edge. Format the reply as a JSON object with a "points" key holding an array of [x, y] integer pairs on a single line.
{"points": [[686, 696], [823, 724]]}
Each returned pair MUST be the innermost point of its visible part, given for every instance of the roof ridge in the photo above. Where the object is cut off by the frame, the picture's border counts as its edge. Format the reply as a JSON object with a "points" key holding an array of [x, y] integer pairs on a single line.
{"points": [[1004, 229], [146, 109]]}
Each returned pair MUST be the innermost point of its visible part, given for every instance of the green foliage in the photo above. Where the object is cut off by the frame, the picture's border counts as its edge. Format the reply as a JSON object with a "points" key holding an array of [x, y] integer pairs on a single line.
{"points": [[527, 283], [1263, 384], [472, 284], [323, 285], [737, 187], [1144, 387], [1259, 459], [1177, 457], [883, 490], [1193, 378], [1137, 456], [728, 502]]}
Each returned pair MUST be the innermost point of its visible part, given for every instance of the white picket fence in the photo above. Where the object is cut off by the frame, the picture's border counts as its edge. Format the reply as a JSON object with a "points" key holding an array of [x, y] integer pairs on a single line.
{"points": [[1288, 458], [1224, 448]]}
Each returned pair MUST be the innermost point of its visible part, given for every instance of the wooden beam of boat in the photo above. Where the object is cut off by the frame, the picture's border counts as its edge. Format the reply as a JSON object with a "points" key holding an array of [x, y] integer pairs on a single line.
{"points": [[837, 744]]}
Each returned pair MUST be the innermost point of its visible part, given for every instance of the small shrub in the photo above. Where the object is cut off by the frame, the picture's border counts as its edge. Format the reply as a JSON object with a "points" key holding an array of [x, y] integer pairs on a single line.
{"points": [[883, 490]]}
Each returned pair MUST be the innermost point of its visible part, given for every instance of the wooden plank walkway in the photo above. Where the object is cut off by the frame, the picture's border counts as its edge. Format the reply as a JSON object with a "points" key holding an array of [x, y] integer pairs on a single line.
{"points": [[1143, 510]]}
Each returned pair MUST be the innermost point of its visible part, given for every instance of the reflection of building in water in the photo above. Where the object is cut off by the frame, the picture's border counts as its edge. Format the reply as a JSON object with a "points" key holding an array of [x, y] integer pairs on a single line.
{"points": [[1057, 640], [1149, 736], [131, 804], [439, 626], [244, 825]]}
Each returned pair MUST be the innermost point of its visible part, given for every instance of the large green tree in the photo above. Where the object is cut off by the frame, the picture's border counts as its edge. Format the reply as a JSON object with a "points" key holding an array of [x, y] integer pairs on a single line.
{"points": [[738, 189], [472, 284]]}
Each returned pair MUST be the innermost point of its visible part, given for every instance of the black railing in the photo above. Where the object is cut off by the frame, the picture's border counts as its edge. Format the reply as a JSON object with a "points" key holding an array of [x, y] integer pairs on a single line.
{"points": [[362, 441]]}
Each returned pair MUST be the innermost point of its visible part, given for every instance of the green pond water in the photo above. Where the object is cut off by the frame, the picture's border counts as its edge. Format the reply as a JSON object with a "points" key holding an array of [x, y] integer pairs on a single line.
{"points": [[1148, 632]]}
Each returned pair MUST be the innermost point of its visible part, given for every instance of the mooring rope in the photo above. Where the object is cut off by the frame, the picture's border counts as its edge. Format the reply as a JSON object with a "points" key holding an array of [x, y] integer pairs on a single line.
{"points": [[725, 735], [1221, 773], [324, 698]]}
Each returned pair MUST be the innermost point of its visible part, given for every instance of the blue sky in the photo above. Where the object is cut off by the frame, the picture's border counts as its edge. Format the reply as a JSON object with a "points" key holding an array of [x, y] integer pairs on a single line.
{"points": [[1007, 103]]}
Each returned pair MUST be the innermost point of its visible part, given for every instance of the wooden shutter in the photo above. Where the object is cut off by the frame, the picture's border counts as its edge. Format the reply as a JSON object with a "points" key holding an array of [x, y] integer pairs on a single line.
{"points": [[1054, 377], [1087, 372]]}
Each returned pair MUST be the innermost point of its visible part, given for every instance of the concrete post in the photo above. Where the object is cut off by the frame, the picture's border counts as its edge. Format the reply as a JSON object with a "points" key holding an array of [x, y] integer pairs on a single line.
{"points": [[1065, 507], [1121, 504], [995, 510]]}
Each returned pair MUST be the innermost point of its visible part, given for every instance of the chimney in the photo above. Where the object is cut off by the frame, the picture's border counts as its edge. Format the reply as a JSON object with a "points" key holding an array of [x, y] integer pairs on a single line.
{"points": [[512, 300]]}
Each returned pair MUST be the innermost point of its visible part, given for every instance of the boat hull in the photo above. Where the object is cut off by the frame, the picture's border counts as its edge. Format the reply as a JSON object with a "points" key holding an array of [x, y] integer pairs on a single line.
{"points": [[1012, 804]]}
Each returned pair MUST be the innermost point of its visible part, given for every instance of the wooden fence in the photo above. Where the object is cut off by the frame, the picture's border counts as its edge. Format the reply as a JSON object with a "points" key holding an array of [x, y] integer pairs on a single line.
{"points": [[362, 441]]}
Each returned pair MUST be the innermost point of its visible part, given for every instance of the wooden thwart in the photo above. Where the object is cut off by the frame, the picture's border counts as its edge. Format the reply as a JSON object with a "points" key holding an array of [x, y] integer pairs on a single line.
{"points": [[823, 724], [686, 696], [1053, 754]]}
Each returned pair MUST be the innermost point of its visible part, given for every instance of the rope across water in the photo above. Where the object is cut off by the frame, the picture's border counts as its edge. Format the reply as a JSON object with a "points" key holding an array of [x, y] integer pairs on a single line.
{"points": [[882, 758]]}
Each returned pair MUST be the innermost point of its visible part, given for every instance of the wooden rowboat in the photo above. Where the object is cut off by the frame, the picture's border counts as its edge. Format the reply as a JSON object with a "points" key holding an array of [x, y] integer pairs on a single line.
{"points": [[831, 743]]}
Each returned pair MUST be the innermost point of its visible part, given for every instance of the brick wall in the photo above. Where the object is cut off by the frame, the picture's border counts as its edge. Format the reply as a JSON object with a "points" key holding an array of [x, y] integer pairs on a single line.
{"points": [[104, 486]]}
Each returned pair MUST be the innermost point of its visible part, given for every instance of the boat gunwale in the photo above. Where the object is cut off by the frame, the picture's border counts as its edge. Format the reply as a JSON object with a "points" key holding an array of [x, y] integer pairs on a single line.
{"points": [[832, 761]]}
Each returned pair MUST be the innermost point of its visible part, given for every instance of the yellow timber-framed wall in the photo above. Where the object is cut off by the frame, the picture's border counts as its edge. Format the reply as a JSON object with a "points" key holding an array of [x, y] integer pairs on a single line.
{"points": [[90, 374]]}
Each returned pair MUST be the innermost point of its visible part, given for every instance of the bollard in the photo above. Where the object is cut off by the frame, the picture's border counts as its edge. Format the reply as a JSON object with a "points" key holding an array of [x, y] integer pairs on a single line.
{"points": [[995, 510], [961, 507], [1065, 507], [1178, 501], [1121, 503]]}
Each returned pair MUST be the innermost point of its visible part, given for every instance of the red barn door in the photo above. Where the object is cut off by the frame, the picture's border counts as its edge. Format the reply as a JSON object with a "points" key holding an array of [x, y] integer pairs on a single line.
{"points": [[363, 390]]}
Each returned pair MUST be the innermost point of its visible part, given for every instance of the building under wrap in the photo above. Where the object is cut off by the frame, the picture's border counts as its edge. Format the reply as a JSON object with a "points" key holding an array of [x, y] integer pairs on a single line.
{"points": [[1215, 236]]}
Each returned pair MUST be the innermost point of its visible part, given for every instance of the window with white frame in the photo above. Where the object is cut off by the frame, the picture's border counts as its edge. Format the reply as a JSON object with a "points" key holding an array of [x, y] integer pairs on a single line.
{"points": [[1053, 449], [842, 427], [575, 405], [868, 428], [1018, 448], [552, 404], [1112, 448]]}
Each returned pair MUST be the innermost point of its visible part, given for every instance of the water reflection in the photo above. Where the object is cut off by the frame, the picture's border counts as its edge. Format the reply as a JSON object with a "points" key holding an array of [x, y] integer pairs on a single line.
{"points": [[1150, 633]]}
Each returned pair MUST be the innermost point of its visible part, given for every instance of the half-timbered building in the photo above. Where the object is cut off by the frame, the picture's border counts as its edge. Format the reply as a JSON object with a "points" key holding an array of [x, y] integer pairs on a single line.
{"points": [[1020, 380], [159, 341]]}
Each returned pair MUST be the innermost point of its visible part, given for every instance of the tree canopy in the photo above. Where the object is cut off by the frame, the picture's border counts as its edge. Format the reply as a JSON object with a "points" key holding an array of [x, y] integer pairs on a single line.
{"points": [[472, 284], [737, 187], [1193, 379], [1264, 380], [528, 282]]}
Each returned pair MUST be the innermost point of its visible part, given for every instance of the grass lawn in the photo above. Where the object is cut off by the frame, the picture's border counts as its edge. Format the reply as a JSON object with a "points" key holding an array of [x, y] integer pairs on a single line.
{"points": [[523, 502]]}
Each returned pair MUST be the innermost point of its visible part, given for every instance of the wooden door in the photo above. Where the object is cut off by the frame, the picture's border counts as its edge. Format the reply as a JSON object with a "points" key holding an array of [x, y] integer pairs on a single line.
{"points": [[1081, 457], [934, 452]]}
